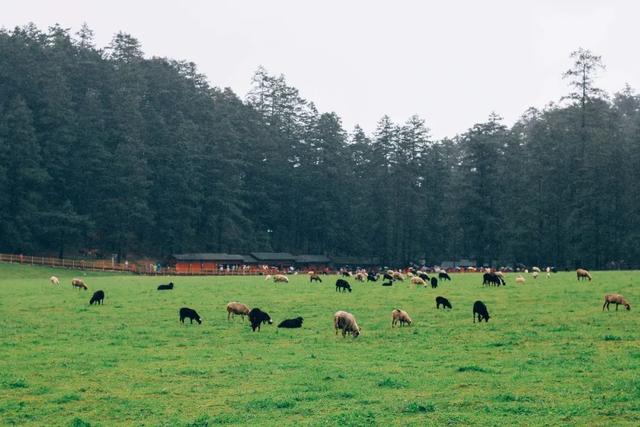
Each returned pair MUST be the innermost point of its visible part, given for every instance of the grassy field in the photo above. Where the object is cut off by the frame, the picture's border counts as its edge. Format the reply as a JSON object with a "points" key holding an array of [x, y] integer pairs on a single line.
{"points": [[548, 356]]}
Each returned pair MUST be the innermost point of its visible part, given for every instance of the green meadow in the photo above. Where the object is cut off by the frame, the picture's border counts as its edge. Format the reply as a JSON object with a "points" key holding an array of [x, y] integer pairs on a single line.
{"points": [[548, 356]]}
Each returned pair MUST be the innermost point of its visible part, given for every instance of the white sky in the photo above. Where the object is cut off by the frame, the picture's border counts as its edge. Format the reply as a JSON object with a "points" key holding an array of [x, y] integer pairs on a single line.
{"points": [[450, 62]]}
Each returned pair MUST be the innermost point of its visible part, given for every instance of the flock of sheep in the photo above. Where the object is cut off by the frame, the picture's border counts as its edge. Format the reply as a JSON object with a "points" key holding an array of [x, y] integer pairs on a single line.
{"points": [[344, 321]]}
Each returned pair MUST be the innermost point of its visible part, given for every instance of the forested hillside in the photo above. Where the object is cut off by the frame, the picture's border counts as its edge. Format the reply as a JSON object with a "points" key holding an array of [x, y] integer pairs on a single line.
{"points": [[105, 148]]}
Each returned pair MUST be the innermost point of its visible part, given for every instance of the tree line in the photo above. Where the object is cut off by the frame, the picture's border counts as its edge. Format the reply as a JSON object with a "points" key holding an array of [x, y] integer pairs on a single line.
{"points": [[104, 148]]}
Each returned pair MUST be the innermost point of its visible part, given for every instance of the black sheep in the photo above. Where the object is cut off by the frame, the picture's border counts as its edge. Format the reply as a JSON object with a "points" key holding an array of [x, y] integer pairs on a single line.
{"points": [[481, 310], [291, 323], [389, 283], [492, 279], [191, 314], [389, 277], [98, 298], [165, 287], [424, 276], [442, 301], [372, 277], [434, 282], [257, 317], [342, 285], [444, 276]]}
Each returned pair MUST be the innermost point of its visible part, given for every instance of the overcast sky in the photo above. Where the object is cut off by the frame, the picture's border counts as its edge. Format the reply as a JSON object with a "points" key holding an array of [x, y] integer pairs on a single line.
{"points": [[450, 62]]}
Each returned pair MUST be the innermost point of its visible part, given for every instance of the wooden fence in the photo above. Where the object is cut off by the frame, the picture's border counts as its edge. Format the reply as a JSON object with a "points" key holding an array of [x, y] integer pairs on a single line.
{"points": [[91, 265], [108, 265]]}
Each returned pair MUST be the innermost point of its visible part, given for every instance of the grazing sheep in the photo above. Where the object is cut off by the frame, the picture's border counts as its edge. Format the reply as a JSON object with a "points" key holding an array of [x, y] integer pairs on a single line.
{"points": [[583, 274], [291, 323], [410, 274], [400, 316], [315, 277], [257, 317], [346, 322], [97, 298], [424, 276], [388, 276], [535, 275], [166, 287], [535, 269], [434, 282], [280, 278], [237, 308], [389, 283], [79, 283], [492, 279], [191, 314], [372, 277], [54, 280], [616, 299], [360, 277], [520, 279], [267, 277], [342, 285], [443, 275], [481, 310], [346, 274], [444, 302], [398, 276], [415, 280]]}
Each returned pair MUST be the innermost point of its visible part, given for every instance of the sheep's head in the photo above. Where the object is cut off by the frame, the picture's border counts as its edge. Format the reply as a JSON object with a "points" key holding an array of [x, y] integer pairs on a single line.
{"points": [[628, 306]]}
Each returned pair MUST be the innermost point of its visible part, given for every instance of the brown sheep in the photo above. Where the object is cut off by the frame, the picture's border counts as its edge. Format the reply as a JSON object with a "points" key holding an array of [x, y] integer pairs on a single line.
{"points": [[400, 316], [79, 283], [280, 278], [520, 279], [54, 280], [268, 277], [398, 276], [234, 308], [347, 323], [583, 274], [418, 281], [616, 299], [360, 277]]}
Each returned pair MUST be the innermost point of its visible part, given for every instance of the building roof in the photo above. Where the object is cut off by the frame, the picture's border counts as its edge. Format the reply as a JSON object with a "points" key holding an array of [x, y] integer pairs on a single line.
{"points": [[209, 257], [460, 263], [272, 256], [350, 260], [311, 259]]}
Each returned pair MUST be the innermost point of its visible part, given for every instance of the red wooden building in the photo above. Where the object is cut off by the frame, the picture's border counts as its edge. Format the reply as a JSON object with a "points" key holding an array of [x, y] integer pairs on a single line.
{"points": [[210, 262]]}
